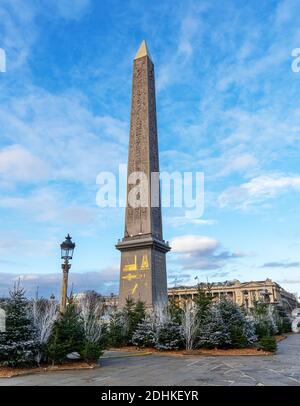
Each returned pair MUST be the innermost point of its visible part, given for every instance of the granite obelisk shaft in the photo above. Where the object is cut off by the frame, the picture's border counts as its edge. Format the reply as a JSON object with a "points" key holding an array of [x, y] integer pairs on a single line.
{"points": [[143, 263]]}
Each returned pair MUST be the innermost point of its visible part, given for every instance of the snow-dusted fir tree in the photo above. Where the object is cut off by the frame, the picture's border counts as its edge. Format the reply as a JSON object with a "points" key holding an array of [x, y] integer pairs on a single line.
{"points": [[241, 330], [132, 314], [18, 344], [159, 330], [116, 332], [213, 332], [169, 336], [249, 332], [264, 319], [203, 302], [145, 335]]}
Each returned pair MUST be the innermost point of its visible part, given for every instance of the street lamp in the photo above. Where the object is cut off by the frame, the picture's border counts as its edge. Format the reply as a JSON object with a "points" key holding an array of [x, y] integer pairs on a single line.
{"points": [[67, 249]]}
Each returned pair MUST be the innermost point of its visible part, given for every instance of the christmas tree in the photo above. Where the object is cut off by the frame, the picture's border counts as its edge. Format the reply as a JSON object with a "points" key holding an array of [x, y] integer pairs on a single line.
{"points": [[18, 344], [241, 330], [168, 336], [116, 330], [175, 311], [132, 314], [203, 302], [67, 335], [213, 332], [144, 335]]}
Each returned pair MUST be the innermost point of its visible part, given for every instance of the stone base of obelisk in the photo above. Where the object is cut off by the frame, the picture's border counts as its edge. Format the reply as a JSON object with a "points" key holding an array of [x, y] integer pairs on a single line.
{"points": [[143, 270]]}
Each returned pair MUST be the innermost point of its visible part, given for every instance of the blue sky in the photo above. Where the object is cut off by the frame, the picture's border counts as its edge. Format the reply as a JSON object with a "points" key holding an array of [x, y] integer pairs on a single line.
{"points": [[228, 105]]}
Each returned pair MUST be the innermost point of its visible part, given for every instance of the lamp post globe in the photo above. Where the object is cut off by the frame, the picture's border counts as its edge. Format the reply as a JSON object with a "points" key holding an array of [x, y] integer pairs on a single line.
{"points": [[67, 250]]}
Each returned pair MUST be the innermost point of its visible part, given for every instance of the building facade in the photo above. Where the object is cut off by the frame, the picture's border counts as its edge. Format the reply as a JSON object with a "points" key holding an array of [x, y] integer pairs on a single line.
{"points": [[242, 293]]}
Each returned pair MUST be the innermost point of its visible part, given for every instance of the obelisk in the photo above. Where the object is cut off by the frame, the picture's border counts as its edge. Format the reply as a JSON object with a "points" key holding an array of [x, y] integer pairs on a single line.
{"points": [[143, 250]]}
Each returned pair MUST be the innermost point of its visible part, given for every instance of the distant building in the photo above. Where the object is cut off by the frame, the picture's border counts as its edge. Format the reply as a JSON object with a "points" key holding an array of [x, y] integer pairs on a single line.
{"points": [[79, 296], [242, 293], [107, 301]]}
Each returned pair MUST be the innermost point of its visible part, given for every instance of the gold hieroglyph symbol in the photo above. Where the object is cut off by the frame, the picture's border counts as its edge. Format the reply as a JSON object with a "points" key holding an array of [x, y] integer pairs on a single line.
{"points": [[134, 276], [131, 267], [134, 289], [145, 263], [129, 276]]}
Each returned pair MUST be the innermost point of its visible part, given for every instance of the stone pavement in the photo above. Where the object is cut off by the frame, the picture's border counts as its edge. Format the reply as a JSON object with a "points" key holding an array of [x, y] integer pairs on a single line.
{"points": [[280, 369]]}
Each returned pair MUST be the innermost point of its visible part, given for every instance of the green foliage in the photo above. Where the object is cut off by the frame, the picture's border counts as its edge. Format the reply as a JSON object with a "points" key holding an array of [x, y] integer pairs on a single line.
{"points": [[116, 331], [284, 325], [129, 319], [213, 332], [226, 326], [67, 335], [267, 343], [91, 352], [221, 325], [263, 328], [203, 302], [132, 315], [18, 345], [144, 335], [104, 340], [123, 323], [164, 335], [260, 309], [264, 319], [282, 321], [174, 310], [168, 336], [241, 331], [139, 314]]}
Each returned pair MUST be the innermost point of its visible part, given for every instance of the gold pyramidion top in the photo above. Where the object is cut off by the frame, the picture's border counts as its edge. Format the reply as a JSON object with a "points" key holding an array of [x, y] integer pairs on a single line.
{"points": [[143, 51]]}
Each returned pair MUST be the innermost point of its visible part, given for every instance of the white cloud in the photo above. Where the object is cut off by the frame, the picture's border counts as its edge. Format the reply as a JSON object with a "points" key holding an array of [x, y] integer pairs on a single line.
{"points": [[64, 133], [237, 163], [189, 28], [19, 164], [259, 189], [177, 221], [17, 30], [286, 10], [12, 245], [47, 204], [103, 281], [194, 243], [200, 252], [72, 9], [189, 35]]}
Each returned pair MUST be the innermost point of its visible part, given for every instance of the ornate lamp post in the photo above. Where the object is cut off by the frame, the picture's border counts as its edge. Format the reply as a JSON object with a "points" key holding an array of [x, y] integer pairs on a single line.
{"points": [[67, 248]]}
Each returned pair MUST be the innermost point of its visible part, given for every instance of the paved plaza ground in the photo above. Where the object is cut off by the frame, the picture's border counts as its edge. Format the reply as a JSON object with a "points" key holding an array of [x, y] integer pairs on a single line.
{"points": [[280, 369]]}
